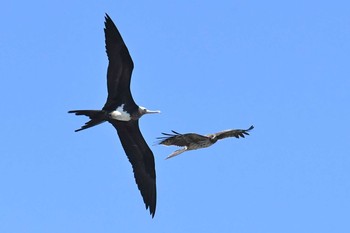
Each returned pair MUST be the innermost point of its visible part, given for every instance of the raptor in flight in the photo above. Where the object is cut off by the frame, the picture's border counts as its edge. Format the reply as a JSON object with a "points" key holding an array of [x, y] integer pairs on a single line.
{"points": [[193, 141]]}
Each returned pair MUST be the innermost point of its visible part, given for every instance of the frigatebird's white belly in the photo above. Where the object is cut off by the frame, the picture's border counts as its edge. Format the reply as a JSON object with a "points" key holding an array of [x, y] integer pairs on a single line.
{"points": [[120, 114]]}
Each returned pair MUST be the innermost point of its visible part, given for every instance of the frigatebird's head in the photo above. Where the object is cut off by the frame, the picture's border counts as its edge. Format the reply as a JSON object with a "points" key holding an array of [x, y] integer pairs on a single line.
{"points": [[143, 111]]}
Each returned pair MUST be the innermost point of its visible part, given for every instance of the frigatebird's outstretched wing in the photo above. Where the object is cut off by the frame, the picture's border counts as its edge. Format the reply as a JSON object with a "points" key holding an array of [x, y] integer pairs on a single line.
{"points": [[177, 139], [141, 159], [119, 69], [232, 133]]}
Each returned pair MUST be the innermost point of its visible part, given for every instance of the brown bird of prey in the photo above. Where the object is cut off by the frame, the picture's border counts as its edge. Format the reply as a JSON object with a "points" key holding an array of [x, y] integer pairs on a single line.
{"points": [[193, 141]]}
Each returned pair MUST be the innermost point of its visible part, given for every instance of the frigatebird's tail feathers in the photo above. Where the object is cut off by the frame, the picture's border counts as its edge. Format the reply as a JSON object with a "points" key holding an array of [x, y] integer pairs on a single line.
{"points": [[177, 152], [96, 117]]}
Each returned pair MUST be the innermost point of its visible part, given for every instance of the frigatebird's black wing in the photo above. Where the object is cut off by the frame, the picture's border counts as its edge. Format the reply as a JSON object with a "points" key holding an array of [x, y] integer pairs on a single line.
{"points": [[233, 133], [119, 69], [141, 159], [177, 139]]}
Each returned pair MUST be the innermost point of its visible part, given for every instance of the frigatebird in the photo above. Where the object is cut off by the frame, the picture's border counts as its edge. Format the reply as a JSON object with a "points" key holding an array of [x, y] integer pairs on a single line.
{"points": [[193, 141], [123, 113]]}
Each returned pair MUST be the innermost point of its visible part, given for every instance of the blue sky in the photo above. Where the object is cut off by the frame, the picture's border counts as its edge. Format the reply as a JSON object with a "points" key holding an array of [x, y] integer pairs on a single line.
{"points": [[282, 66]]}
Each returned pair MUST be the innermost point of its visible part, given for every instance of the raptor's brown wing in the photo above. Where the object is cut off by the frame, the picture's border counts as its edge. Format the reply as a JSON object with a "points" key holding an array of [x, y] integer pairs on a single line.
{"points": [[232, 133], [177, 139]]}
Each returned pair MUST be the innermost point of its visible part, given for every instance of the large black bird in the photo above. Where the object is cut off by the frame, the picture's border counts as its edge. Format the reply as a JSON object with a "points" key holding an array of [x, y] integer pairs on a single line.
{"points": [[193, 141], [123, 113]]}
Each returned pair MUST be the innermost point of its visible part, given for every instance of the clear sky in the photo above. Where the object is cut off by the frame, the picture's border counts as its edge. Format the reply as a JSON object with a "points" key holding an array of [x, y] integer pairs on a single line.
{"points": [[282, 66]]}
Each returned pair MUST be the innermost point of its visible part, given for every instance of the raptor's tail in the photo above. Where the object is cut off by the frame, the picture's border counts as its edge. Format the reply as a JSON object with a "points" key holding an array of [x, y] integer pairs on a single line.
{"points": [[96, 117]]}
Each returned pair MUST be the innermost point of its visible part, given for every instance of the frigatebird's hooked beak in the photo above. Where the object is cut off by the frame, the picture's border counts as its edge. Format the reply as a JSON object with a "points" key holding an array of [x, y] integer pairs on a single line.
{"points": [[150, 111]]}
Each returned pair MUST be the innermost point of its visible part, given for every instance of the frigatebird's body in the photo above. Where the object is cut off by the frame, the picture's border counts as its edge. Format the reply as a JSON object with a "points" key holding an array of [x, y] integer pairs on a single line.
{"points": [[123, 113], [193, 141]]}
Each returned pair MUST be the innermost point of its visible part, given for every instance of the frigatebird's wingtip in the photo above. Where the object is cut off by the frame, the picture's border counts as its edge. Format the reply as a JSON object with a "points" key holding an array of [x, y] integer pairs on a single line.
{"points": [[151, 207], [152, 211]]}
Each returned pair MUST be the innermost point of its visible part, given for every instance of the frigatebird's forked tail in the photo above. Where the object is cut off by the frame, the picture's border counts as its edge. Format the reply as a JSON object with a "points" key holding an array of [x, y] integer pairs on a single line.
{"points": [[96, 117]]}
